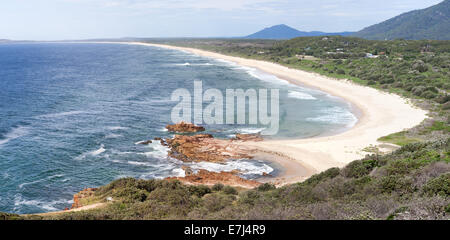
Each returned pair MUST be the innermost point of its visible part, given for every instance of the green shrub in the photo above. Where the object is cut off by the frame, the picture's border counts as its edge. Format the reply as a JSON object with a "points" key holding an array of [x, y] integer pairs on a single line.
{"points": [[396, 183], [402, 166], [443, 99], [230, 190], [216, 202], [418, 90], [438, 186], [199, 190], [130, 194], [316, 178], [249, 197], [340, 71], [359, 168], [446, 106], [439, 126], [217, 187], [265, 187], [428, 94]]}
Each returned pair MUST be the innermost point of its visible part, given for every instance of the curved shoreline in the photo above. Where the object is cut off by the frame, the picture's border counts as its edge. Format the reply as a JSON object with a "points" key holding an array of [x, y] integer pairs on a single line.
{"points": [[381, 114]]}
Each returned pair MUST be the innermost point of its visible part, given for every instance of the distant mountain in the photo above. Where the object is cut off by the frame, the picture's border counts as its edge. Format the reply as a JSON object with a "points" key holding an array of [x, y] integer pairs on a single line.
{"points": [[283, 31], [428, 23]]}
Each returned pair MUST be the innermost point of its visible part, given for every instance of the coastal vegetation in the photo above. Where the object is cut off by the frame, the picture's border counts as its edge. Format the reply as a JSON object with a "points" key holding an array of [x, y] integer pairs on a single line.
{"points": [[412, 182]]}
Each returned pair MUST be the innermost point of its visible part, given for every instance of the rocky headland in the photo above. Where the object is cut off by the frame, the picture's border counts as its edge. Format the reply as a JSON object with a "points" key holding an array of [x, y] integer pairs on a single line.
{"points": [[183, 127]]}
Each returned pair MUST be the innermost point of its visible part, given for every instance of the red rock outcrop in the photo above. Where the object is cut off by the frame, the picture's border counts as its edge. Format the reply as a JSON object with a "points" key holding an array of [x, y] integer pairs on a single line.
{"points": [[204, 147], [248, 137], [183, 127], [144, 142], [210, 178], [88, 192]]}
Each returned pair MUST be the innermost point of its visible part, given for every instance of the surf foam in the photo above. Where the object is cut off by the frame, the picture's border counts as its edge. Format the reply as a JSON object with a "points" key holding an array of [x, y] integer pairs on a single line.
{"points": [[15, 133], [336, 115], [247, 168], [300, 95]]}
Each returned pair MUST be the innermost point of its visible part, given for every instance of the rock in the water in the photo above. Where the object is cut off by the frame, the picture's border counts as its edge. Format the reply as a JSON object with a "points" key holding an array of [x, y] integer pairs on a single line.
{"points": [[184, 127], [204, 177], [187, 170], [203, 148], [144, 142]]}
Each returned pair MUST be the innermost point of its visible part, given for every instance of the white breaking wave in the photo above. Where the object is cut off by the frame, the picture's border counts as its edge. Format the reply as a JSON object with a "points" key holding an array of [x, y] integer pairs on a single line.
{"points": [[266, 77], [336, 115], [61, 114], [122, 153], [92, 153], [246, 130], [179, 172], [98, 151], [250, 130], [29, 183], [159, 151], [263, 76], [230, 63], [14, 133], [245, 167], [112, 128], [193, 64], [182, 64], [40, 180], [49, 206], [139, 163], [300, 95], [112, 135]]}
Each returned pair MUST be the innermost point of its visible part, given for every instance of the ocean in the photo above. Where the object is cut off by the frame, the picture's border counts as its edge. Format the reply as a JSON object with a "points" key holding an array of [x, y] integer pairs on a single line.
{"points": [[72, 113]]}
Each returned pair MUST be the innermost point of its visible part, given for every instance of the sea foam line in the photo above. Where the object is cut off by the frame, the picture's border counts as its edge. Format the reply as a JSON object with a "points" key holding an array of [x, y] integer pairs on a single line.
{"points": [[49, 206], [15, 133], [92, 153], [245, 167], [61, 114], [300, 95], [336, 115]]}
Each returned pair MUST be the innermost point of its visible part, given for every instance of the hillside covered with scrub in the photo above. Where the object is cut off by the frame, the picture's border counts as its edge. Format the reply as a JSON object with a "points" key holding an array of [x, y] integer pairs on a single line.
{"points": [[412, 182]]}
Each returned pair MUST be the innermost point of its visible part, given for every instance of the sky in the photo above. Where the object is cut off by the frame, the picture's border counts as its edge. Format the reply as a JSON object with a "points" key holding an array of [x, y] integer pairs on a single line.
{"points": [[84, 19]]}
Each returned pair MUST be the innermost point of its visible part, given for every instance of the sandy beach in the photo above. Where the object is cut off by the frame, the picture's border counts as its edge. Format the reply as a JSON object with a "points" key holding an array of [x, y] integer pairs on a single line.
{"points": [[381, 114]]}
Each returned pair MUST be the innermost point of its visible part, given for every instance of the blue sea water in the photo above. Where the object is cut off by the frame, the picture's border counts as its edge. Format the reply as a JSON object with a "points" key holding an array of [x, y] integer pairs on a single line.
{"points": [[70, 115]]}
